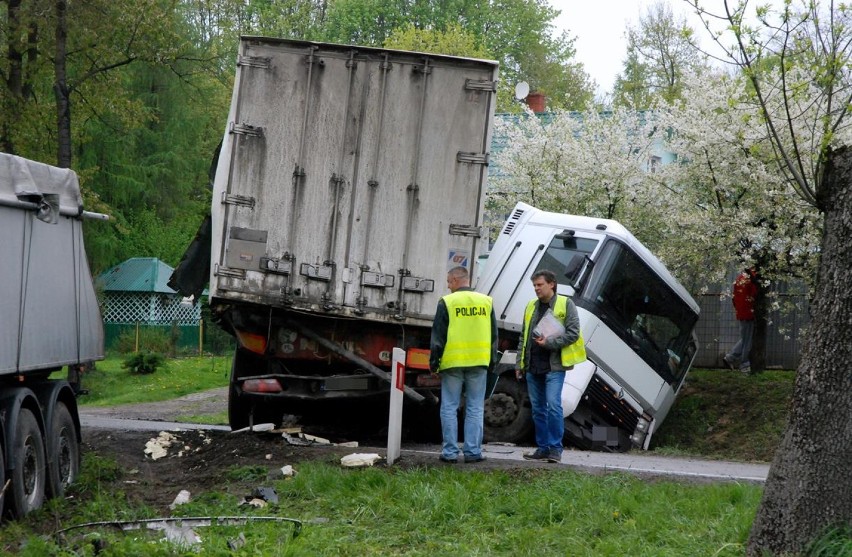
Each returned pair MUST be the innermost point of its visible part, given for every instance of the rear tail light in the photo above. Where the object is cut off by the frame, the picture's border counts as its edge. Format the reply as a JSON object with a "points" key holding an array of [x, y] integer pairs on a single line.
{"points": [[252, 341], [262, 386]]}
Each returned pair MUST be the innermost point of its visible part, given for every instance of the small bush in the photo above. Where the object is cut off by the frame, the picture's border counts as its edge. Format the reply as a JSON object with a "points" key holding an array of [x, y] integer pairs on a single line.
{"points": [[143, 362]]}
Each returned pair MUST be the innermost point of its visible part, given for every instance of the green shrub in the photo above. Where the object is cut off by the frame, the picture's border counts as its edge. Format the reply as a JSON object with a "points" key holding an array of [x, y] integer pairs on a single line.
{"points": [[143, 362]]}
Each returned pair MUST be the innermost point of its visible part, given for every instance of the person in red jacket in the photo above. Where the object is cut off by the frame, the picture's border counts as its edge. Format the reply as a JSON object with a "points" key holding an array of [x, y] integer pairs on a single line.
{"points": [[744, 293]]}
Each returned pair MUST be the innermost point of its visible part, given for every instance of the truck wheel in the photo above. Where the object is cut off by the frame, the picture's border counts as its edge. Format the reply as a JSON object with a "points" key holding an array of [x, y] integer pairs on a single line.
{"points": [[29, 475], [508, 416], [64, 466]]}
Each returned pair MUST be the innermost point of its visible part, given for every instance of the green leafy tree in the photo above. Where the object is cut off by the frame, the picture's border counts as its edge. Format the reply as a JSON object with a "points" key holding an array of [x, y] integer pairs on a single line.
{"points": [[661, 50], [517, 33], [454, 41]]}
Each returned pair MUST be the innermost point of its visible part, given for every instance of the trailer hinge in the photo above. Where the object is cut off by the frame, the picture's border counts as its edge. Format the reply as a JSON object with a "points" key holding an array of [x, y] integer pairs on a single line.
{"points": [[480, 85], [221, 271], [235, 199], [254, 61], [466, 230], [282, 266], [246, 129], [377, 280], [424, 68], [316, 272], [417, 284], [472, 158]]}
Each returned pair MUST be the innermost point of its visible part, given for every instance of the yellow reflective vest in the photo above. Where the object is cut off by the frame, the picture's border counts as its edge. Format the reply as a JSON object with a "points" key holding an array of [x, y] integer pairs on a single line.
{"points": [[468, 330], [571, 354]]}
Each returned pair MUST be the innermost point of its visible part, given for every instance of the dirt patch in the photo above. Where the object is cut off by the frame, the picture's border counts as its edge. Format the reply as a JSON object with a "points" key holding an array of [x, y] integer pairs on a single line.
{"points": [[201, 460], [210, 402]]}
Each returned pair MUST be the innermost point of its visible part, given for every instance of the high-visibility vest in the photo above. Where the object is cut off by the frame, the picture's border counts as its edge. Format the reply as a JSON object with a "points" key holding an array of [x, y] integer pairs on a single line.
{"points": [[573, 353], [468, 330]]}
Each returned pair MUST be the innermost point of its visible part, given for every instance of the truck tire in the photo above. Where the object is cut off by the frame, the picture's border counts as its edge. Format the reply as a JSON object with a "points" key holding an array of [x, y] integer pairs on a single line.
{"points": [[29, 475], [508, 416], [64, 466]]}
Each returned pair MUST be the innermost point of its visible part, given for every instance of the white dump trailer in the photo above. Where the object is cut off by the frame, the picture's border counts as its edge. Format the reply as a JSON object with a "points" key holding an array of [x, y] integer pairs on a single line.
{"points": [[50, 321]]}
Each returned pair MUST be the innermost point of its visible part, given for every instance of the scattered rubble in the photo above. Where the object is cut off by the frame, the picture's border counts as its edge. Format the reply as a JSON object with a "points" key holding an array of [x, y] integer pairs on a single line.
{"points": [[182, 498]]}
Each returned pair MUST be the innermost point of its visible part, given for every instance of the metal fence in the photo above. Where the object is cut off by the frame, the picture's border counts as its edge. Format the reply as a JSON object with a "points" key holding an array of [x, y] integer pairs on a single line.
{"points": [[718, 330], [167, 337]]}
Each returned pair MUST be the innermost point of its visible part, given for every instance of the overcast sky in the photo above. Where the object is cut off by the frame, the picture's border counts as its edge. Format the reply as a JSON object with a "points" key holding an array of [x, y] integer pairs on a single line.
{"points": [[600, 30]]}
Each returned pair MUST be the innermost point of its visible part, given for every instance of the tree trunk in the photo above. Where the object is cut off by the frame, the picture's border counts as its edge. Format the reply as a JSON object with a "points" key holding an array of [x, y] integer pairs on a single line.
{"points": [[60, 88], [809, 488]]}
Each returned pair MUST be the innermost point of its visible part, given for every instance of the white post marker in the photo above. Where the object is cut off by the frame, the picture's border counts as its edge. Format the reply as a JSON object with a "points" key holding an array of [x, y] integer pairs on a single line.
{"points": [[395, 414]]}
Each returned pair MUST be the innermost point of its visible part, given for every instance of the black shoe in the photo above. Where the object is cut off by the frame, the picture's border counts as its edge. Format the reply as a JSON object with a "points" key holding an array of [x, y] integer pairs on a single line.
{"points": [[554, 456], [537, 455], [448, 460], [473, 459]]}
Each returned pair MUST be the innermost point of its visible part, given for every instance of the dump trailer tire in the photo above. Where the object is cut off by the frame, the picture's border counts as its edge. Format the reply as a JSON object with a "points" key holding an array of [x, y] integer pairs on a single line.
{"points": [[29, 476], [64, 465], [3, 492], [508, 415]]}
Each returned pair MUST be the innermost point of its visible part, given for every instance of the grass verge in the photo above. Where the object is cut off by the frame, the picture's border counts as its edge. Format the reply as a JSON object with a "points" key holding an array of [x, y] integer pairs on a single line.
{"points": [[109, 384], [428, 511]]}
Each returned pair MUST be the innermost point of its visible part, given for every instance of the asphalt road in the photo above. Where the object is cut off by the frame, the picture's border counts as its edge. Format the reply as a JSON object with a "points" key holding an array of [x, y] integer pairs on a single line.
{"points": [[635, 462]]}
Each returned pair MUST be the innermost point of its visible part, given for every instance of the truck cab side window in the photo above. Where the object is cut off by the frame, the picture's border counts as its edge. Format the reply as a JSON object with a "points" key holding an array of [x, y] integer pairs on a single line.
{"points": [[566, 256], [626, 295]]}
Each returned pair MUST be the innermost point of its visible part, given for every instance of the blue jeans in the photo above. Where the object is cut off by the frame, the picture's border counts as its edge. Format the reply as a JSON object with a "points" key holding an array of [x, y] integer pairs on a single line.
{"points": [[545, 392], [472, 379], [742, 349]]}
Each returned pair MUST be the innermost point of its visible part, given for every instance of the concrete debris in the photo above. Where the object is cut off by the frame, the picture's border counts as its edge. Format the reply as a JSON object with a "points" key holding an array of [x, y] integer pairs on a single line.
{"points": [[256, 428], [300, 439], [238, 542], [359, 459], [349, 444], [296, 441], [315, 439], [268, 456], [182, 497], [180, 534], [255, 502], [288, 471], [158, 447]]}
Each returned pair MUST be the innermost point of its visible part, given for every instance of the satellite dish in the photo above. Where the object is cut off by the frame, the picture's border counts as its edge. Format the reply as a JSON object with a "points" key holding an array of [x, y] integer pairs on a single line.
{"points": [[522, 89]]}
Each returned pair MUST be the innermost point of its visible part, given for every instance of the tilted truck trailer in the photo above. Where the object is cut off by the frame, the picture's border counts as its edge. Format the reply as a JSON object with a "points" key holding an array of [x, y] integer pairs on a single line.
{"points": [[50, 320], [349, 181]]}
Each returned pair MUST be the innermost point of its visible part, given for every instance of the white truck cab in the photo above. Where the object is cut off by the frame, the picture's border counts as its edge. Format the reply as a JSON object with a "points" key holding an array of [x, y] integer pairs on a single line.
{"points": [[637, 321]]}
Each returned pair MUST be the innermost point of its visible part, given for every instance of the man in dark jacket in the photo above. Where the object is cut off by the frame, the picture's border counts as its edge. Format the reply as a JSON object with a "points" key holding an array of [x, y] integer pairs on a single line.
{"points": [[463, 350]]}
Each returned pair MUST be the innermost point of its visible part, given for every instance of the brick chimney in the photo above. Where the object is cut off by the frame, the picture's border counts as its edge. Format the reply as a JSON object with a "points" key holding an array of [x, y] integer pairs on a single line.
{"points": [[537, 102]]}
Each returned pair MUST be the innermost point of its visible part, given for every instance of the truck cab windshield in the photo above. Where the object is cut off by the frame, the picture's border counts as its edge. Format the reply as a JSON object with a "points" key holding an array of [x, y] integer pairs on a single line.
{"points": [[640, 308]]}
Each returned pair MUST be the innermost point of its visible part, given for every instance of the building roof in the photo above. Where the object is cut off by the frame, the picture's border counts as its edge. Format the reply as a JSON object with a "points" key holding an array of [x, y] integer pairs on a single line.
{"points": [[138, 274]]}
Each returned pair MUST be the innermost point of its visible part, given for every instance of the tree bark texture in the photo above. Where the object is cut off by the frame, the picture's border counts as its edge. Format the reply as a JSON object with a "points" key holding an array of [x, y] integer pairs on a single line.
{"points": [[809, 488], [60, 88]]}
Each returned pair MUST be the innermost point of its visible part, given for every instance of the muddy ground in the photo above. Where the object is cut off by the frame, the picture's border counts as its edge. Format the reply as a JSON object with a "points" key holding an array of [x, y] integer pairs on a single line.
{"points": [[198, 461]]}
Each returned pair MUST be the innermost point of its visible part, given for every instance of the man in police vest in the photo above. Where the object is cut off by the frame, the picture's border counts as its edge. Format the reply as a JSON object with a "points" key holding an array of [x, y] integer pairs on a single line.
{"points": [[543, 360], [463, 350]]}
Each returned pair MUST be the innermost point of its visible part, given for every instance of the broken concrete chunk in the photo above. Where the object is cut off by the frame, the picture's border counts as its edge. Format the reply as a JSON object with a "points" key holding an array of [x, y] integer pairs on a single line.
{"points": [[158, 447], [256, 428], [359, 459], [182, 497], [288, 471]]}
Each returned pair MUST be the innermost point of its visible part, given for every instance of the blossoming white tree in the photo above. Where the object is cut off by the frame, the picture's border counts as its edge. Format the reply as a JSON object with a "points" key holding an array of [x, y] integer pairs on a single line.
{"points": [[798, 64]]}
